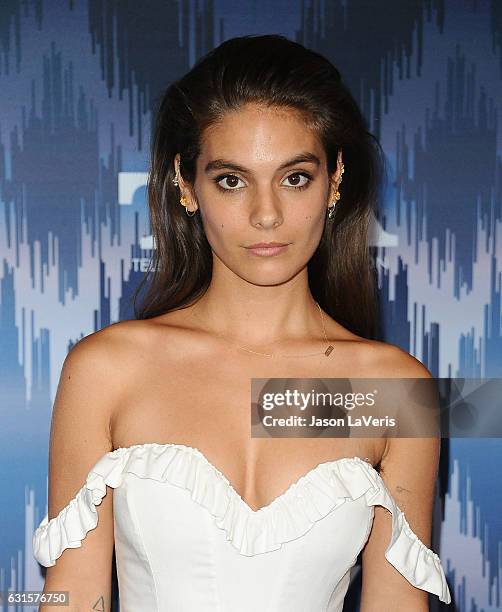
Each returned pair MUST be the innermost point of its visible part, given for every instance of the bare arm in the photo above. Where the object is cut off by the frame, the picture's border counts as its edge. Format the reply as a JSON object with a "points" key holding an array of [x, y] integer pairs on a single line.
{"points": [[409, 469], [87, 391]]}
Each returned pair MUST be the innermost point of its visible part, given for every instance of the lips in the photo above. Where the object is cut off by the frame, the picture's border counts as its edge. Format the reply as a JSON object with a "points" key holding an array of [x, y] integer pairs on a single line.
{"points": [[267, 249], [266, 245]]}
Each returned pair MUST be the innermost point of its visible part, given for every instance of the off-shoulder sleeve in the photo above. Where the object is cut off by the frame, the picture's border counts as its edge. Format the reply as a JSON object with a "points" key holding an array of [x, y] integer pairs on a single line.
{"points": [[406, 552], [79, 516]]}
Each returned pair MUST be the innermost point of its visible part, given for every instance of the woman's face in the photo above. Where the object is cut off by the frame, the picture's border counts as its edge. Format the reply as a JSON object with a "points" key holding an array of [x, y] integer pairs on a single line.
{"points": [[261, 177]]}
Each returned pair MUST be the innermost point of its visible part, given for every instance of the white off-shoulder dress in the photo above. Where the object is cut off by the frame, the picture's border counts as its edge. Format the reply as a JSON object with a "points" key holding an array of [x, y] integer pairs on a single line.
{"points": [[185, 541]]}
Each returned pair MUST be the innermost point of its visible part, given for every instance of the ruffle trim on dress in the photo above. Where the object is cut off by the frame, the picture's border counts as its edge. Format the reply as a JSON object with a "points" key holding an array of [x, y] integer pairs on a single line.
{"points": [[289, 516]]}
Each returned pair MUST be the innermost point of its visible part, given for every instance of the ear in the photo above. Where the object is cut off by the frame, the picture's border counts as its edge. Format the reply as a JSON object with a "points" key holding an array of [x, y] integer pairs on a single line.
{"points": [[336, 178], [185, 189]]}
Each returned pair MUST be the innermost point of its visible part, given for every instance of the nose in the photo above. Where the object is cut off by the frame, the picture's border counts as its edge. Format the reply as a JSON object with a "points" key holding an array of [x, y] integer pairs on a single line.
{"points": [[266, 211]]}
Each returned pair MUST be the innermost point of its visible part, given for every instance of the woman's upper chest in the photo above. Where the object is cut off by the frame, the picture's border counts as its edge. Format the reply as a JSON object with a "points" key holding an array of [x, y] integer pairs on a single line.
{"points": [[204, 401]]}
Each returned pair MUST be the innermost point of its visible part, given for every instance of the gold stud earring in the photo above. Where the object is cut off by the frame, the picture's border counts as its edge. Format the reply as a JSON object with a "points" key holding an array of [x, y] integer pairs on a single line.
{"points": [[183, 202]]}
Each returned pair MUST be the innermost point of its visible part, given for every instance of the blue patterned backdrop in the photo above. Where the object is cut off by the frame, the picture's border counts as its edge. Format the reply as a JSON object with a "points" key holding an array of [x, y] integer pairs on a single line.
{"points": [[78, 82]]}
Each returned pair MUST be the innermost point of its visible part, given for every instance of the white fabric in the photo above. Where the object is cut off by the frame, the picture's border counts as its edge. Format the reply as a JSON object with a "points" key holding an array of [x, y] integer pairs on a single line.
{"points": [[186, 541]]}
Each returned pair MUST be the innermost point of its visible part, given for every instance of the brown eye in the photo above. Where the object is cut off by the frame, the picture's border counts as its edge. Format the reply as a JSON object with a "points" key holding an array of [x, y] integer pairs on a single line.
{"points": [[228, 182], [298, 180]]}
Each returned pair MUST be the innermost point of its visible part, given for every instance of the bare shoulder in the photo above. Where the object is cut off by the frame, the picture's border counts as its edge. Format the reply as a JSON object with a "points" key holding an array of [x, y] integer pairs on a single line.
{"points": [[374, 358], [106, 359], [387, 360], [116, 348], [117, 354], [113, 337], [399, 455]]}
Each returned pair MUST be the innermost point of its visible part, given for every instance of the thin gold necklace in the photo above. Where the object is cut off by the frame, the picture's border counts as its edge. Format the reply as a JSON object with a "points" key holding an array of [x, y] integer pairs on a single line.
{"points": [[327, 352]]}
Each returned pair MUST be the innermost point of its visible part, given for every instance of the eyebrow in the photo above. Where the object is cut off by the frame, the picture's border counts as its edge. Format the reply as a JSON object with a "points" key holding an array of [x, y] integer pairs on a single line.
{"points": [[219, 164]]}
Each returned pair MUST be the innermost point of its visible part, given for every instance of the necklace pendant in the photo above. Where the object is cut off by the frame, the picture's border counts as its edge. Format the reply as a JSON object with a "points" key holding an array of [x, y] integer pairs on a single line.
{"points": [[328, 350]]}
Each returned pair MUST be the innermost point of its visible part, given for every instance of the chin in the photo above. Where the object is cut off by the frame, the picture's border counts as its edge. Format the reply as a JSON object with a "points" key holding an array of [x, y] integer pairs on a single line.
{"points": [[274, 275]]}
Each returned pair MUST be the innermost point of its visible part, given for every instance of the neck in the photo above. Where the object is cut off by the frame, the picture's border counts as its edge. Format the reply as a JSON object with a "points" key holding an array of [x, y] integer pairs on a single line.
{"points": [[261, 315]]}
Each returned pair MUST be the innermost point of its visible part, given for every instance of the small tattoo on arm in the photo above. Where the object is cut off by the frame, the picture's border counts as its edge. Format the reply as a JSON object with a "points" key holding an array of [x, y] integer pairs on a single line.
{"points": [[99, 606]]}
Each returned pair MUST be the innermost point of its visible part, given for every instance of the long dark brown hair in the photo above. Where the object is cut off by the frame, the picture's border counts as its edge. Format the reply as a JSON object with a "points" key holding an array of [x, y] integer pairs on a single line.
{"points": [[275, 71]]}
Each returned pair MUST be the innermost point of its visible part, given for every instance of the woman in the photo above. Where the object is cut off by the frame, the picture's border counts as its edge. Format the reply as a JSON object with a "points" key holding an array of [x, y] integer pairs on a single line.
{"points": [[253, 143]]}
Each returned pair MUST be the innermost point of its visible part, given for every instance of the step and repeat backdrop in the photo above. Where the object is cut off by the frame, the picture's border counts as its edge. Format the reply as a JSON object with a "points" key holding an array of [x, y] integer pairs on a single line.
{"points": [[79, 80]]}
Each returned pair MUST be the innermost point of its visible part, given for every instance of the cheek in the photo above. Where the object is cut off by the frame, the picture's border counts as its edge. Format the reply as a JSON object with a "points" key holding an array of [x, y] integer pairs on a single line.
{"points": [[308, 224], [219, 227]]}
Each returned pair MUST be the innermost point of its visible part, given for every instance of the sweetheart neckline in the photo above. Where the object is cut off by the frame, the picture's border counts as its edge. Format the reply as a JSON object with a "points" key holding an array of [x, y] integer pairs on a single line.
{"points": [[262, 509], [322, 489]]}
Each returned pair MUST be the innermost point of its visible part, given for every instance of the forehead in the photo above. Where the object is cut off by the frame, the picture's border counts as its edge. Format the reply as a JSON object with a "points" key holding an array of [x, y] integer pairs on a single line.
{"points": [[258, 132]]}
